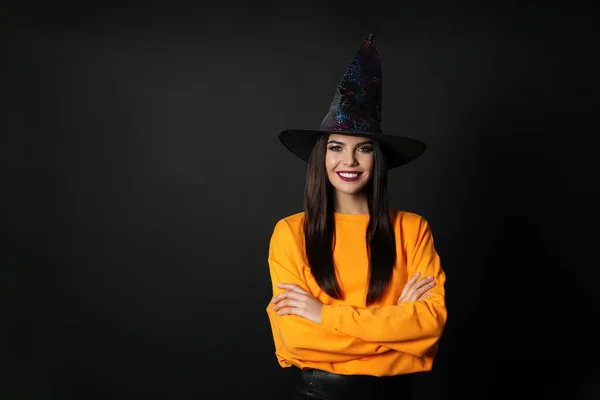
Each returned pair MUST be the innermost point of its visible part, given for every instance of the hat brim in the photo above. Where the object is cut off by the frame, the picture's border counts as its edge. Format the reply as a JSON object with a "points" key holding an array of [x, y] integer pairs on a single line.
{"points": [[398, 150]]}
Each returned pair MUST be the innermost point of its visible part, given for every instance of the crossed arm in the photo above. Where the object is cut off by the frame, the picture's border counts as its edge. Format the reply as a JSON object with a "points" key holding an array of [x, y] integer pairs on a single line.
{"points": [[306, 329]]}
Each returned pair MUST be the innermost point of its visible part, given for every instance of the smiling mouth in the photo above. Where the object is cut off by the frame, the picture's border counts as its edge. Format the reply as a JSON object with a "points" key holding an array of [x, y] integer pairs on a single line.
{"points": [[349, 176]]}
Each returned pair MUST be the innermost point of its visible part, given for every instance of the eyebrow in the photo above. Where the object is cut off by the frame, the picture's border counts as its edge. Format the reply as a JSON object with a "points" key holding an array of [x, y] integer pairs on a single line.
{"points": [[358, 144]]}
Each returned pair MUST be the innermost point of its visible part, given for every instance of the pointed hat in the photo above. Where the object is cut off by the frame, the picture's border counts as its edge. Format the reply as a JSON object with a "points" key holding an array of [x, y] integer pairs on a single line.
{"points": [[356, 111]]}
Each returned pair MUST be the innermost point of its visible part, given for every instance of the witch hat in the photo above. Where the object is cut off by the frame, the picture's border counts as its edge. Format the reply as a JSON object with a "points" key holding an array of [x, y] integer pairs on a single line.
{"points": [[356, 111]]}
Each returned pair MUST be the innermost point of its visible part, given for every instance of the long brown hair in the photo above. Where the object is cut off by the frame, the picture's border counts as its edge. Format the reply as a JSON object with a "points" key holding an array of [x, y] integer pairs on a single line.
{"points": [[319, 225]]}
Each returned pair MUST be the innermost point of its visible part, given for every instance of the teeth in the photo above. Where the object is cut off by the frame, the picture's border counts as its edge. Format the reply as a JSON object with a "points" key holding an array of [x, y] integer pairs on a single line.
{"points": [[348, 175]]}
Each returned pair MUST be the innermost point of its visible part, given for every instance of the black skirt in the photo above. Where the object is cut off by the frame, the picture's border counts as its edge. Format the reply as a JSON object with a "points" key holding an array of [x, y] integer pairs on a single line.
{"points": [[314, 384]]}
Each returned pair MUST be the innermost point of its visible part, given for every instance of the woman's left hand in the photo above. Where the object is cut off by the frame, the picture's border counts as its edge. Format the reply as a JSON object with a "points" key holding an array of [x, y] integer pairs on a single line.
{"points": [[298, 302]]}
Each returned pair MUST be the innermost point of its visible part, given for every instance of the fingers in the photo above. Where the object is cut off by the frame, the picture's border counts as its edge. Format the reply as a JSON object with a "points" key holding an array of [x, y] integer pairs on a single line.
{"points": [[289, 287], [409, 287], [290, 298], [295, 300], [287, 303], [288, 294], [420, 288], [413, 289], [424, 283], [291, 310], [409, 284], [290, 302], [292, 287]]}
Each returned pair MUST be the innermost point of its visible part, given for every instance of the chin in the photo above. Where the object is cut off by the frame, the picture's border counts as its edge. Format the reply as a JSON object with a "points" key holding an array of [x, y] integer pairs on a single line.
{"points": [[349, 190]]}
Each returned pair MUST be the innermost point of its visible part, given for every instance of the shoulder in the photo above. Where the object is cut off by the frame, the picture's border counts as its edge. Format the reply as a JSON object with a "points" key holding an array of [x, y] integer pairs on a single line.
{"points": [[407, 218], [289, 226], [410, 224], [292, 220]]}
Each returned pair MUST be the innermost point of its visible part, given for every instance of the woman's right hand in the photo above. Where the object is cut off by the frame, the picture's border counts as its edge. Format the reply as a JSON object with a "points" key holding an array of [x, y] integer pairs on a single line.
{"points": [[416, 290]]}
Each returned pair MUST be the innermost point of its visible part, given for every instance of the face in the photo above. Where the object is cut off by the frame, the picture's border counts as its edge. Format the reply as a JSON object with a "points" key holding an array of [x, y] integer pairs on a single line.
{"points": [[349, 162]]}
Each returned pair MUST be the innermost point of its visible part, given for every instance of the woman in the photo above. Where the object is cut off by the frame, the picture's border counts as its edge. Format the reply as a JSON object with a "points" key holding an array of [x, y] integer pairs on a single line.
{"points": [[358, 289]]}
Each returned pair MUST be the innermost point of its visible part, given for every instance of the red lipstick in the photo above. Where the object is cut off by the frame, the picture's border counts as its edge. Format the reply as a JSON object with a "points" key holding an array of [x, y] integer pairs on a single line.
{"points": [[351, 176]]}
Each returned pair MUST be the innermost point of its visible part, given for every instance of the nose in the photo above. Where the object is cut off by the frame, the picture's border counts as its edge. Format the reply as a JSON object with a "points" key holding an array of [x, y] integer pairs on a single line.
{"points": [[349, 159]]}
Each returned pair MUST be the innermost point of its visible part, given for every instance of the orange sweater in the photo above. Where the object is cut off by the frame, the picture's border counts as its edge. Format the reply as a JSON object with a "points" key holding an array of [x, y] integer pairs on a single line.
{"points": [[380, 340]]}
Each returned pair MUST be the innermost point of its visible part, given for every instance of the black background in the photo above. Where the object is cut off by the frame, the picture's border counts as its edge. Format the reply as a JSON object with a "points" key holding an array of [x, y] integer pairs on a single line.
{"points": [[142, 177]]}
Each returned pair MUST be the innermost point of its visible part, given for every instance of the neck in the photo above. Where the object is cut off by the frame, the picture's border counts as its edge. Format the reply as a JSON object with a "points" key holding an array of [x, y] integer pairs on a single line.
{"points": [[351, 203]]}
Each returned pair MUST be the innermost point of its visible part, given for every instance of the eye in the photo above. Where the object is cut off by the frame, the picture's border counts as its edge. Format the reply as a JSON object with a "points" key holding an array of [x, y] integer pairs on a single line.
{"points": [[335, 148], [366, 149]]}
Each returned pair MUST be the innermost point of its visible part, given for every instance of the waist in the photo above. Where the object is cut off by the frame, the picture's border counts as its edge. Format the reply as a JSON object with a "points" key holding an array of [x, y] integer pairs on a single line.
{"points": [[356, 386], [391, 363]]}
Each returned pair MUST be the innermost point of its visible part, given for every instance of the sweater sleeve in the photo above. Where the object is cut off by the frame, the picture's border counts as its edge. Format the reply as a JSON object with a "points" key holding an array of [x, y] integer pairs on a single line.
{"points": [[296, 337], [413, 327]]}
